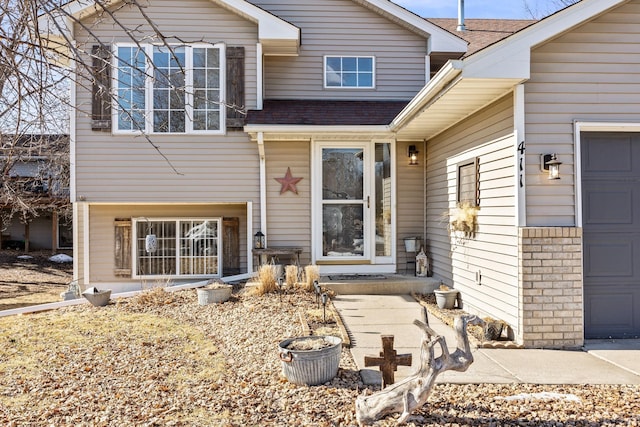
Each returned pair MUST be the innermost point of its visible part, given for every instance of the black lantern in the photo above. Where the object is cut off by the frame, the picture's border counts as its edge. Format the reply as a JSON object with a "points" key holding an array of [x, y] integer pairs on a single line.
{"points": [[258, 240], [551, 163], [412, 153]]}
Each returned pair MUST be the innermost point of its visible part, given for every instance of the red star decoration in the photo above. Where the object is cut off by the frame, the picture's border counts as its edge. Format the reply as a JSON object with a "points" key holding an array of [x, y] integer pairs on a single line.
{"points": [[288, 182]]}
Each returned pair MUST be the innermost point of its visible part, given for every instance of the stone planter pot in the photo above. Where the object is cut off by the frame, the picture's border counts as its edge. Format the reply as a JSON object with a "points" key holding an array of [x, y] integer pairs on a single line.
{"points": [[446, 299], [96, 297], [312, 366], [220, 293]]}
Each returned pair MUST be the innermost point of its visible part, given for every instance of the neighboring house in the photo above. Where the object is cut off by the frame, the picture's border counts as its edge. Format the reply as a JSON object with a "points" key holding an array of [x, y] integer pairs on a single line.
{"points": [[338, 93], [34, 193]]}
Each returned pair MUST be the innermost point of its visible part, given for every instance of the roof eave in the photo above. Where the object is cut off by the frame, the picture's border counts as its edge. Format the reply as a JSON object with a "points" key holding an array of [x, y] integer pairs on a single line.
{"points": [[465, 86], [277, 36], [440, 40]]}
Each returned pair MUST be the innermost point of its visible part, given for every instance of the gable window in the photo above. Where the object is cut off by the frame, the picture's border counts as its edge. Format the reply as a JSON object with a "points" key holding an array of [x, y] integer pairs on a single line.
{"points": [[349, 72], [469, 182], [185, 247], [163, 89]]}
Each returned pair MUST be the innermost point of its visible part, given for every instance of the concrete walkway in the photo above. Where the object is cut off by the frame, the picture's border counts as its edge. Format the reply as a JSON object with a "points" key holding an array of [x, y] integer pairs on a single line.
{"points": [[367, 317]]}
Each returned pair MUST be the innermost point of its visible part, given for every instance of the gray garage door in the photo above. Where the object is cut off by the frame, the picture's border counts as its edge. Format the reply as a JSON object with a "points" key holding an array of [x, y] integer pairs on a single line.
{"points": [[611, 221]]}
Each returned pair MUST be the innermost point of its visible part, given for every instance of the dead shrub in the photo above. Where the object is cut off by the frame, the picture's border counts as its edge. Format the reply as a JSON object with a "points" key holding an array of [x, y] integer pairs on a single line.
{"points": [[311, 273], [291, 275], [152, 297], [267, 279]]}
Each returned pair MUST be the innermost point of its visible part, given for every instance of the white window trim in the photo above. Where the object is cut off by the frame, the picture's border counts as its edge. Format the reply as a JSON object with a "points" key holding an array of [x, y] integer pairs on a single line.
{"points": [[148, 48], [373, 71], [134, 252]]}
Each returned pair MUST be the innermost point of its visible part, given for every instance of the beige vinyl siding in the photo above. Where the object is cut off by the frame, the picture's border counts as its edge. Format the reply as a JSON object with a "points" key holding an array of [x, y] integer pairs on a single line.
{"points": [[209, 168], [289, 214], [101, 240], [493, 251], [410, 201], [79, 243], [344, 28], [123, 168], [589, 74]]}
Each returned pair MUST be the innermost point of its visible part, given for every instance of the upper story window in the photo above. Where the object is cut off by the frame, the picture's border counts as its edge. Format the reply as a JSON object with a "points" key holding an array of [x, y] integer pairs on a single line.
{"points": [[349, 72], [163, 89]]}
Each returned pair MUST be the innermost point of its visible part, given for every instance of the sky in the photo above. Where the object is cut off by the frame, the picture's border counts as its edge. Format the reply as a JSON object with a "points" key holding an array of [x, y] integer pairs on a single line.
{"points": [[504, 9]]}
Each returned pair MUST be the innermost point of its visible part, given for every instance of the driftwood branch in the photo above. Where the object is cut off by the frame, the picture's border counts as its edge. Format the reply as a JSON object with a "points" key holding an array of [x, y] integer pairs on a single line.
{"points": [[413, 392]]}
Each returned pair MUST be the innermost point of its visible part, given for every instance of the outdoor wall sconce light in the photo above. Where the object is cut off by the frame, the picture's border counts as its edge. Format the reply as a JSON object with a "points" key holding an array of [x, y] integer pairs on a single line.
{"points": [[258, 240], [412, 153], [550, 162]]}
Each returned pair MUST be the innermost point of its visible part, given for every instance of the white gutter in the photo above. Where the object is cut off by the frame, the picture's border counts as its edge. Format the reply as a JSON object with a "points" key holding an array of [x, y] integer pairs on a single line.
{"points": [[441, 80], [263, 185]]}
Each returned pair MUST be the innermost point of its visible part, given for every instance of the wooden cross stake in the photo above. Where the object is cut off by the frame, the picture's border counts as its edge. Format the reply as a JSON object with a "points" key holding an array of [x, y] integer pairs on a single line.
{"points": [[388, 361]]}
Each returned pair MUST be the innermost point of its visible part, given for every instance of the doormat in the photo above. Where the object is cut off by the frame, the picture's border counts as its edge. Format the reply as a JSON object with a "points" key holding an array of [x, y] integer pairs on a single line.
{"points": [[358, 277]]}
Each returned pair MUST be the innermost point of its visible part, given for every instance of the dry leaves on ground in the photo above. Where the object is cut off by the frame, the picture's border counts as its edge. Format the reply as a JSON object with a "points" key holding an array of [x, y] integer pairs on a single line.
{"points": [[164, 360]]}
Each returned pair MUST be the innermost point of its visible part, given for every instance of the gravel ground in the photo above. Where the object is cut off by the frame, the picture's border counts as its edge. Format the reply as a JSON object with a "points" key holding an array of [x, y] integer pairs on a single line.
{"points": [[129, 389]]}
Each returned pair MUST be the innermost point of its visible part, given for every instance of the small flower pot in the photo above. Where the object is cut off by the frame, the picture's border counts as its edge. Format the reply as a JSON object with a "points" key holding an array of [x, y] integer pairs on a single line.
{"points": [[446, 299], [96, 297], [220, 293]]}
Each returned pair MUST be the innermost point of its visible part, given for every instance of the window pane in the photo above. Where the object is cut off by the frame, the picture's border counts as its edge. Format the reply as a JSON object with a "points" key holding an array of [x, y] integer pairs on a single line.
{"points": [[333, 63], [130, 88], [199, 57], [160, 99], [199, 120], [214, 120], [350, 79], [199, 79], [213, 58], [213, 79], [342, 174], [176, 121], [161, 121], [365, 64], [349, 64], [205, 101], [365, 80], [161, 79]]}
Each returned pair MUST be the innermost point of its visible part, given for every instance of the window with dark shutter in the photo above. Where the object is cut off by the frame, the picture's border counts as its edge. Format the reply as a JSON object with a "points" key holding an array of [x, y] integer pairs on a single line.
{"points": [[122, 261], [235, 88], [469, 182], [101, 99]]}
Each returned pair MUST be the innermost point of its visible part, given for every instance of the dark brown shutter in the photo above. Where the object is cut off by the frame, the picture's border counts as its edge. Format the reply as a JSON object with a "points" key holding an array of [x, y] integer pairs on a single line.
{"points": [[235, 88], [230, 246], [122, 259], [101, 100]]}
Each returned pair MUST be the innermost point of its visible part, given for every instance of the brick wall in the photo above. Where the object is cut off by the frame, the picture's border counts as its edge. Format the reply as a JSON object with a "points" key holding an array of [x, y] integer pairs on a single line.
{"points": [[551, 291]]}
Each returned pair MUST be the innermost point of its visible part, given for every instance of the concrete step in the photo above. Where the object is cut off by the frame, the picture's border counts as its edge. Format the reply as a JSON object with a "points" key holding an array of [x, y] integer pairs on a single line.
{"points": [[378, 284]]}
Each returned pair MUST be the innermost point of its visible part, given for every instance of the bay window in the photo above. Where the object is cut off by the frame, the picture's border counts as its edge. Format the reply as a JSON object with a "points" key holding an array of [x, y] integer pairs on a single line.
{"points": [[169, 89]]}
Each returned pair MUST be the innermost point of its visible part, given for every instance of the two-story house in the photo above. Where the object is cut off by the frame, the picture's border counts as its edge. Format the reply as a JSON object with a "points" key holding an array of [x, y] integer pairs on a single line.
{"points": [[343, 126]]}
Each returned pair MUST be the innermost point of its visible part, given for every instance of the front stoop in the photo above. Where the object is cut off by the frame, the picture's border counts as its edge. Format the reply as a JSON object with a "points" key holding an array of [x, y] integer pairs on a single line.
{"points": [[391, 284]]}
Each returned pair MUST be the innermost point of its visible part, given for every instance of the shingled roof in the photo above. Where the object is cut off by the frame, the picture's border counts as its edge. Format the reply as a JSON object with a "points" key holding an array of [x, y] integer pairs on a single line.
{"points": [[325, 113], [481, 33]]}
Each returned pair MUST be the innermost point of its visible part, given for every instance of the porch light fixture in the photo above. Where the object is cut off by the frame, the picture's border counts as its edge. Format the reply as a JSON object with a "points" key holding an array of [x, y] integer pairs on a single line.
{"points": [[550, 162], [258, 240], [412, 153]]}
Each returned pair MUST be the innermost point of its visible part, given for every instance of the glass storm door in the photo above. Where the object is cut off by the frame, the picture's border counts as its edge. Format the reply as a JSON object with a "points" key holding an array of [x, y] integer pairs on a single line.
{"points": [[345, 203]]}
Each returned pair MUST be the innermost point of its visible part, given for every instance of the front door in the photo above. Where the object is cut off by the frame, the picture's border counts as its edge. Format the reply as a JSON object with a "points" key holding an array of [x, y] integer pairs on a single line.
{"points": [[353, 204]]}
